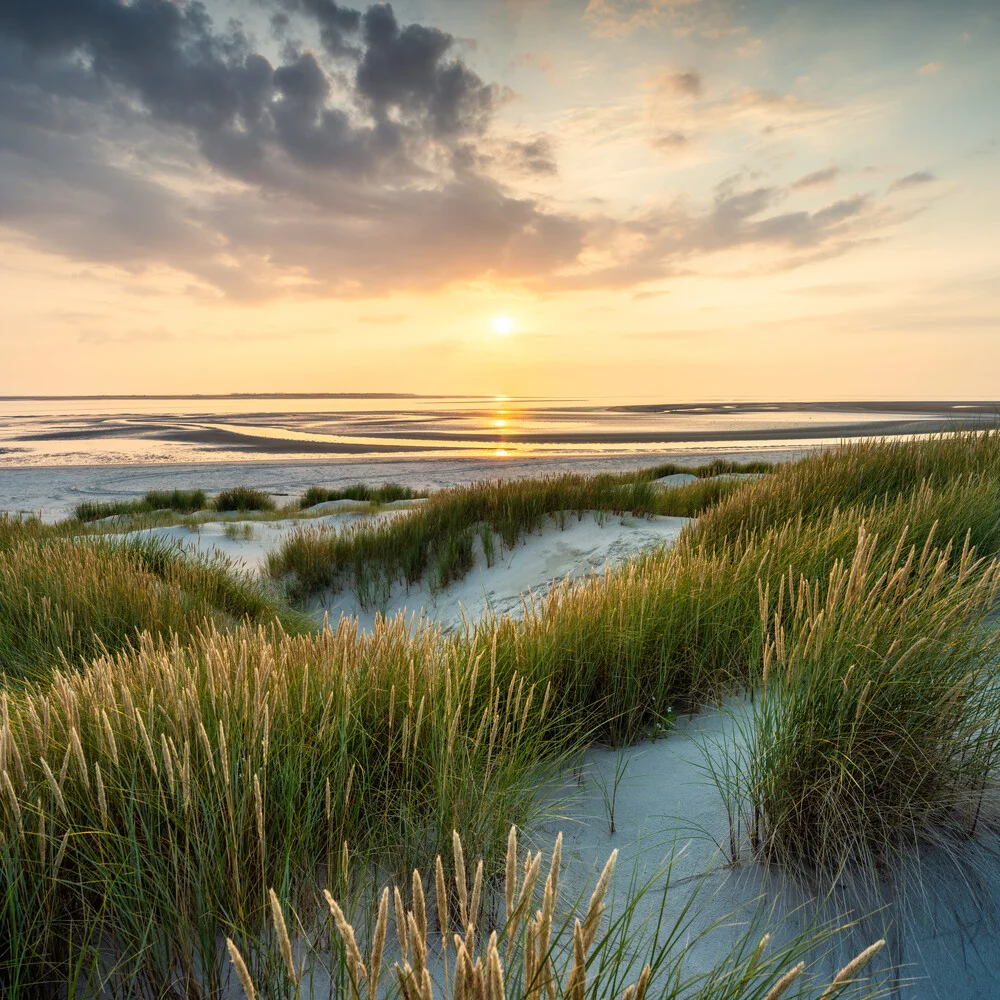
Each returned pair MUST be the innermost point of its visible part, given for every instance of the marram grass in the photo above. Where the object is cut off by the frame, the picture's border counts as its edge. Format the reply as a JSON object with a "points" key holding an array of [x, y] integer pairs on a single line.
{"points": [[68, 600], [437, 539], [538, 947], [151, 801], [877, 721], [361, 492]]}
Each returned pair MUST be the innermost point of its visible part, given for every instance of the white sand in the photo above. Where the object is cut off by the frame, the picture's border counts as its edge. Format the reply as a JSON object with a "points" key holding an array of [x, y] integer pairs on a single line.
{"points": [[553, 554], [940, 917], [675, 479]]}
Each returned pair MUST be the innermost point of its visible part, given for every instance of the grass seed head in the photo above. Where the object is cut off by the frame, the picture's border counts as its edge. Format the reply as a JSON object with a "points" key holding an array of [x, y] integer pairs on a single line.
{"points": [[241, 969], [284, 943]]}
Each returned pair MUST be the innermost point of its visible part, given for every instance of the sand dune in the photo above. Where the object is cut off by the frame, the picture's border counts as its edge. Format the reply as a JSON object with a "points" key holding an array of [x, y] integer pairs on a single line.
{"points": [[939, 915]]}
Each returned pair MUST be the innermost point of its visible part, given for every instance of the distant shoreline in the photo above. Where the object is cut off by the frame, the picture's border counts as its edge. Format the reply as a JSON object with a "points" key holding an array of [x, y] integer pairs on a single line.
{"points": [[713, 406]]}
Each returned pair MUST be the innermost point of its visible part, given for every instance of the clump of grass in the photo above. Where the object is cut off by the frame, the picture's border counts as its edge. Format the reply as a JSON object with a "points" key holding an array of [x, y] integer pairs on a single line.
{"points": [[184, 501], [860, 472], [67, 600], [387, 493], [717, 467], [238, 532], [151, 801], [877, 723], [15, 529], [438, 537], [243, 498], [181, 501], [554, 951]]}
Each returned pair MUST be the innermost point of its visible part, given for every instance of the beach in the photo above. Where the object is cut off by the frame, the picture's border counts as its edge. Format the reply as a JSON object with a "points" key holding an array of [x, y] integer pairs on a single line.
{"points": [[55, 453]]}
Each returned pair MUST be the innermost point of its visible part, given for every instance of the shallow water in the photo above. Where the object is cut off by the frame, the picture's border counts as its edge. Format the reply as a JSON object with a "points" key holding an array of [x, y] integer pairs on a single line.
{"points": [[57, 452], [146, 430]]}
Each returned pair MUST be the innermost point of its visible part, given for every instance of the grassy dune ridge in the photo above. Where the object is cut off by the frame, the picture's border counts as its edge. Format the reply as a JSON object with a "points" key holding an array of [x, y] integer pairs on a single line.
{"points": [[235, 498], [150, 800], [387, 493], [69, 600], [438, 539]]}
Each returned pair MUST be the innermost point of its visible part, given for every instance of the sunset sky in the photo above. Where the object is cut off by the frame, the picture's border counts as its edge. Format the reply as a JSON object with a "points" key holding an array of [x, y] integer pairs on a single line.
{"points": [[673, 198]]}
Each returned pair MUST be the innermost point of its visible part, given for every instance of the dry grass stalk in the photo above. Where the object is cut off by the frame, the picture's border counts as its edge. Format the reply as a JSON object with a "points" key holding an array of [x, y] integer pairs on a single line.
{"points": [[378, 943], [400, 912], [355, 966], [284, 944], [849, 971], [481, 976], [510, 880], [784, 984], [102, 800], [241, 969]]}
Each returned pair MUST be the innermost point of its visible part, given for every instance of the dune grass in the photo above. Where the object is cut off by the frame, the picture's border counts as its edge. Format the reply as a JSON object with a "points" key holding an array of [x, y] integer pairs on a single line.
{"points": [[717, 467], [683, 626], [243, 498], [178, 501], [860, 472], [450, 946], [387, 493], [151, 801], [181, 501], [67, 600], [877, 721], [437, 540]]}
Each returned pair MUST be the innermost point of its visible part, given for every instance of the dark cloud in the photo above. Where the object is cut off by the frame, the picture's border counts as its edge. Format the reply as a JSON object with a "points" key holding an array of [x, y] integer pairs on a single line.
{"points": [[337, 24], [912, 180], [671, 141], [818, 178], [246, 112], [166, 53], [533, 156], [406, 69], [689, 82]]}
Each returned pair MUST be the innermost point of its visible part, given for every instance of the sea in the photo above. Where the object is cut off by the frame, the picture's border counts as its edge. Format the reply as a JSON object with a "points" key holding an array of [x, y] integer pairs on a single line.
{"points": [[58, 451]]}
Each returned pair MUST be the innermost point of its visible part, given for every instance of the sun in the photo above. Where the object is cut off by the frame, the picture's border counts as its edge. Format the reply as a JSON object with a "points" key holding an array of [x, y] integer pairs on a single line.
{"points": [[503, 326]]}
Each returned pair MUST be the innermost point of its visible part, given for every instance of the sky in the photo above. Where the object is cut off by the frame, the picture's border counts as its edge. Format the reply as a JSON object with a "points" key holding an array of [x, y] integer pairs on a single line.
{"points": [[681, 199]]}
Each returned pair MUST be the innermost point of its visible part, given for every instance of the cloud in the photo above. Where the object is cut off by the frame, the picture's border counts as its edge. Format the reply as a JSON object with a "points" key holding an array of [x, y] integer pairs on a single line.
{"points": [[384, 145], [689, 82], [931, 69], [666, 241], [672, 114], [337, 24], [912, 180], [405, 68], [145, 138], [818, 178], [534, 156], [671, 141]]}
